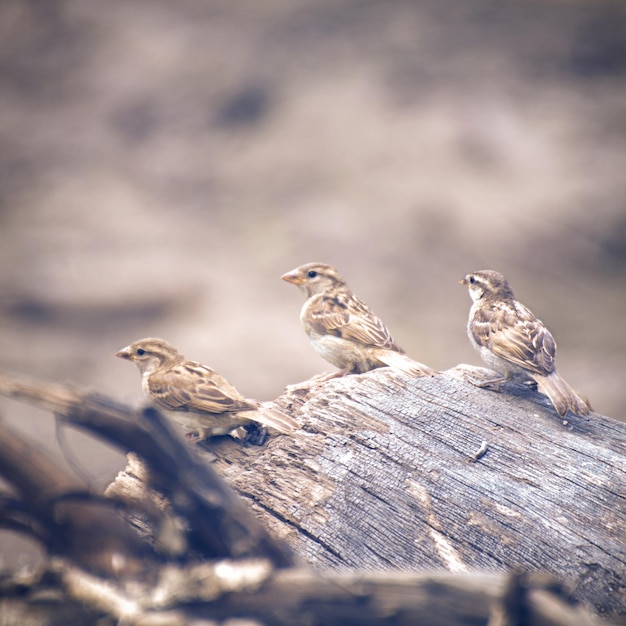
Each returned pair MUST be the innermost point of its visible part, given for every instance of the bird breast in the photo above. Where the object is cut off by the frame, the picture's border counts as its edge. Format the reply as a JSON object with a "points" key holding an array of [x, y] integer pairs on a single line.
{"points": [[340, 352]]}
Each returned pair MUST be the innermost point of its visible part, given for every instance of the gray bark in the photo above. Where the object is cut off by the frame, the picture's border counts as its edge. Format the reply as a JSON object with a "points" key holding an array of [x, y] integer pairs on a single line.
{"points": [[381, 476]]}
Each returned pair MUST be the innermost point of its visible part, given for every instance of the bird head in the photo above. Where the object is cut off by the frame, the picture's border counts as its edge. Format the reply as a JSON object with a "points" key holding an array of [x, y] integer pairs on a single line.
{"points": [[487, 284], [314, 278], [149, 354]]}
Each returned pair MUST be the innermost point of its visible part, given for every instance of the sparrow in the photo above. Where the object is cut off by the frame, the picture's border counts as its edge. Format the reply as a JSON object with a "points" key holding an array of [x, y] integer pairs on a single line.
{"points": [[196, 396], [515, 343], [341, 327]]}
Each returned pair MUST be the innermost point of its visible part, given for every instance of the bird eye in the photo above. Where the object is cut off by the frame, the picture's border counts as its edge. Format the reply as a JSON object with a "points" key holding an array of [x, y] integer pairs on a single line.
{"points": [[312, 274], [472, 280], [140, 351]]}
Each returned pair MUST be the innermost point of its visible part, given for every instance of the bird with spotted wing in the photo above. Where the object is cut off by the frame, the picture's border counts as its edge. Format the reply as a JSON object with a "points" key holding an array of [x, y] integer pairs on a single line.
{"points": [[515, 343], [342, 329], [196, 396]]}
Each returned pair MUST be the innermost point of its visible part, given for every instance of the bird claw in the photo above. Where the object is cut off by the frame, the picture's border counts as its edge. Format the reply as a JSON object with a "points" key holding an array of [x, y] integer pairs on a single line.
{"points": [[256, 435]]}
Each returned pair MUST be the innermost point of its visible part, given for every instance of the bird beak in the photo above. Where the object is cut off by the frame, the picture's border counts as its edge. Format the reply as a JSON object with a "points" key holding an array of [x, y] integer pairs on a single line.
{"points": [[125, 353], [463, 281], [292, 277]]}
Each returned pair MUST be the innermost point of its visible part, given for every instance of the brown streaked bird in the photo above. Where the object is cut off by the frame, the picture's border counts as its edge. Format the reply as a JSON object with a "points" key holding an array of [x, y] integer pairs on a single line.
{"points": [[341, 327], [194, 395], [515, 343]]}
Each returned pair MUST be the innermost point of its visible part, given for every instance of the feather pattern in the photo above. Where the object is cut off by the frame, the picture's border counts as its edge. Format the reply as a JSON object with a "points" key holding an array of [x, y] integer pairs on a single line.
{"points": [[344, 315], [342, 328], [514, 342], [514, 334], [191, 386], [195, 395]]}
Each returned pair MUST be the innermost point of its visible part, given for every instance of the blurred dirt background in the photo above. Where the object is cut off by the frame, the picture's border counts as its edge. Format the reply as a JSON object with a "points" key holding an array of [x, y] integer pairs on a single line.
{"points": [[163, 163]]}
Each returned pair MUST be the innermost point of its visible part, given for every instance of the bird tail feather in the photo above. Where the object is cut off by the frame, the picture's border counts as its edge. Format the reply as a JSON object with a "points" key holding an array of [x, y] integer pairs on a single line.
{"points": [[405, 364], [562, 396], [272, 418]]}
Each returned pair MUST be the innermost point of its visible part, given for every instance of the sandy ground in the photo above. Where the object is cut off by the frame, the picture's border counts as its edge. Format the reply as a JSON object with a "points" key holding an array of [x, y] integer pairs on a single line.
{"points": [[162, 164]]}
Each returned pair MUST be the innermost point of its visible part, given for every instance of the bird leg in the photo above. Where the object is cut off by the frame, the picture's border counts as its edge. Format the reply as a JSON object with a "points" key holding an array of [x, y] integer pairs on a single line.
{"points": [[490, 383], [322, 378]]}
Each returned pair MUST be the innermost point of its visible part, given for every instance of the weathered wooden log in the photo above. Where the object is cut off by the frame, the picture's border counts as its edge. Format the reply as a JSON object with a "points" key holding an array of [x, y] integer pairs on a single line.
{"points": [[385, 475]]}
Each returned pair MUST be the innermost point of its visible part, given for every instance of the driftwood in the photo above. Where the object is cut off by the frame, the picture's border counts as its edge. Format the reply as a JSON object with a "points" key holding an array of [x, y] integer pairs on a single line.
{"points": [[387, 473]]}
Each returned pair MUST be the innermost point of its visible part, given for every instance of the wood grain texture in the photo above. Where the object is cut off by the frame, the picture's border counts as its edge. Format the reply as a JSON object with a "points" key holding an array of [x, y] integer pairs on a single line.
{"points": [[380, 477], [383, 480]]}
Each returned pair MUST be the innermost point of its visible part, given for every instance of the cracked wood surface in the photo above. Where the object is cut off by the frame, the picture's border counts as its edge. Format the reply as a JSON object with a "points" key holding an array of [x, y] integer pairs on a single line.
{"points": [[384, 475]]}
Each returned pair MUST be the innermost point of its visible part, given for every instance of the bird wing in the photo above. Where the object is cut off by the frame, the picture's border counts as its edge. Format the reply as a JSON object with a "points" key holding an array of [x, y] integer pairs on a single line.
{"points": [[514, 334], [194, 387], [345, 316]]}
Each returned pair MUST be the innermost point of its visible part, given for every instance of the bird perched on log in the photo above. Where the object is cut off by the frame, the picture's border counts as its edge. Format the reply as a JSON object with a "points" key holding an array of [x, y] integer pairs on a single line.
{"points": [[196, 396], [341, 327], [515, 343]]}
